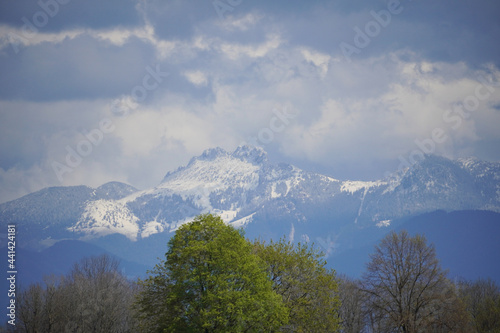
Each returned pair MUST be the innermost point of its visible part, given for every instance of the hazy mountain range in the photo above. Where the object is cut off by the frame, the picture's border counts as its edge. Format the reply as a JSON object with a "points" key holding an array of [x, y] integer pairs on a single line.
{"points": [[344, 218]]}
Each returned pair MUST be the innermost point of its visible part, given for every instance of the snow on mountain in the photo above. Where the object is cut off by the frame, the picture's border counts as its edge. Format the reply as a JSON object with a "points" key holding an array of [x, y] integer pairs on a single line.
{"points": [[215, 170], [104, 217], [354, 186], [197, 187], [45, 216], [487, 178]]}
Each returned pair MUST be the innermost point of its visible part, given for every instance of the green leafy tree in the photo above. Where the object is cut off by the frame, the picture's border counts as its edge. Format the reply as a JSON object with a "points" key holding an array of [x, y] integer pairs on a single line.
{"points": [[210, 281], [309, 290]]}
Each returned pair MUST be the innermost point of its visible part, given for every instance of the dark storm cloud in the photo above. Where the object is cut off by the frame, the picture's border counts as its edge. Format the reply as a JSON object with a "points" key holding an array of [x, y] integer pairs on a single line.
{"points": [[449, 31], [79, 68], [70, 14], [446, 30], [177, 19]]}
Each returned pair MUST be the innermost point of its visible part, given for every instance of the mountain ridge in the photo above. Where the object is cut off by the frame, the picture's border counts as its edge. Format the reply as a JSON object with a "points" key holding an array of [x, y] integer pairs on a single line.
{"points": [[246, 190]]}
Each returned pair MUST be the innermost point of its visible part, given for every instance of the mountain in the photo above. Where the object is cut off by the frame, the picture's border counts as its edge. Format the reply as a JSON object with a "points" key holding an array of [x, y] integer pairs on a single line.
{"points": [[44, 217], [246, 190]]}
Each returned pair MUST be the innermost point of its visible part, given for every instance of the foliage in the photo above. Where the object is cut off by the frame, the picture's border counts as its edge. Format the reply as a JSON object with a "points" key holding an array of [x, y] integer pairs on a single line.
{"points": [[214, 280], [309, 290], [210, 281]]}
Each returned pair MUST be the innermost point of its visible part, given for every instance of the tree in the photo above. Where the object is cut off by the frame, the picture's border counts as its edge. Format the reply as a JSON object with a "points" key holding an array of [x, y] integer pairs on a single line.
{"points": [[210, 281], [482, 300], [93, 297], [351, 305], [43, 307], [101, 297], [407, 289], [308, 289], [31, 308]]}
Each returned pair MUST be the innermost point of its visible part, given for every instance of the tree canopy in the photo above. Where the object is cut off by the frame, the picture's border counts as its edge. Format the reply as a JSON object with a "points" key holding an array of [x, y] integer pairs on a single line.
{"points": [[210, 281], [309, 290]]}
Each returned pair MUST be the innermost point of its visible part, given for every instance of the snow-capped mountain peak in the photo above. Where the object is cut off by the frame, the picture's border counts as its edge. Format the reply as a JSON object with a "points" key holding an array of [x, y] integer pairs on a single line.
{"points": [[218, 172], [254, 155]]}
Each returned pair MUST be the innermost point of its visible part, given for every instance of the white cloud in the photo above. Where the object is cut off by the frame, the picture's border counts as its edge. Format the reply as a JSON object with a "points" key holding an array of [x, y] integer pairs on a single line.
{"points": [[319, 59], [197, 78], [233, 50], [119, 36], [18, 38], [18, 182], [166, 128], [419, 99], [240, 23]]}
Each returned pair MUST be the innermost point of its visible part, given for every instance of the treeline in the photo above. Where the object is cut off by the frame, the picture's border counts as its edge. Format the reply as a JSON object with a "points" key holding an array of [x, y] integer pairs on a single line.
{"points": [[214, 280], [94, 297], [404, 289]]}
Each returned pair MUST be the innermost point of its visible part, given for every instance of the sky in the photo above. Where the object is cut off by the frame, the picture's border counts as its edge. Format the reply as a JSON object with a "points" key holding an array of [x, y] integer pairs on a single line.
{"points": [[128, 90]]}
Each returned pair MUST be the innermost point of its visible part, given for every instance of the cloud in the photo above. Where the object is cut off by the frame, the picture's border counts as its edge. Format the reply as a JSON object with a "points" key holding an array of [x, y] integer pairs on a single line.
{"points": [[16, 39], [227, 79], [243, 23], [234, 50], [59, 15], [197, 78], [17, 182], [422, 97], [80, 67], [320, 60]]}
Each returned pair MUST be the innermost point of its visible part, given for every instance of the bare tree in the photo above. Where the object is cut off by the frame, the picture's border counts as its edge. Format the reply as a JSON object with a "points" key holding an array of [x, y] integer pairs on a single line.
{"points": [[42, 307], [93, 297], [407, 290], [55, 302], [31, 308], [101, 296], [482, 300], [351, 305]]}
